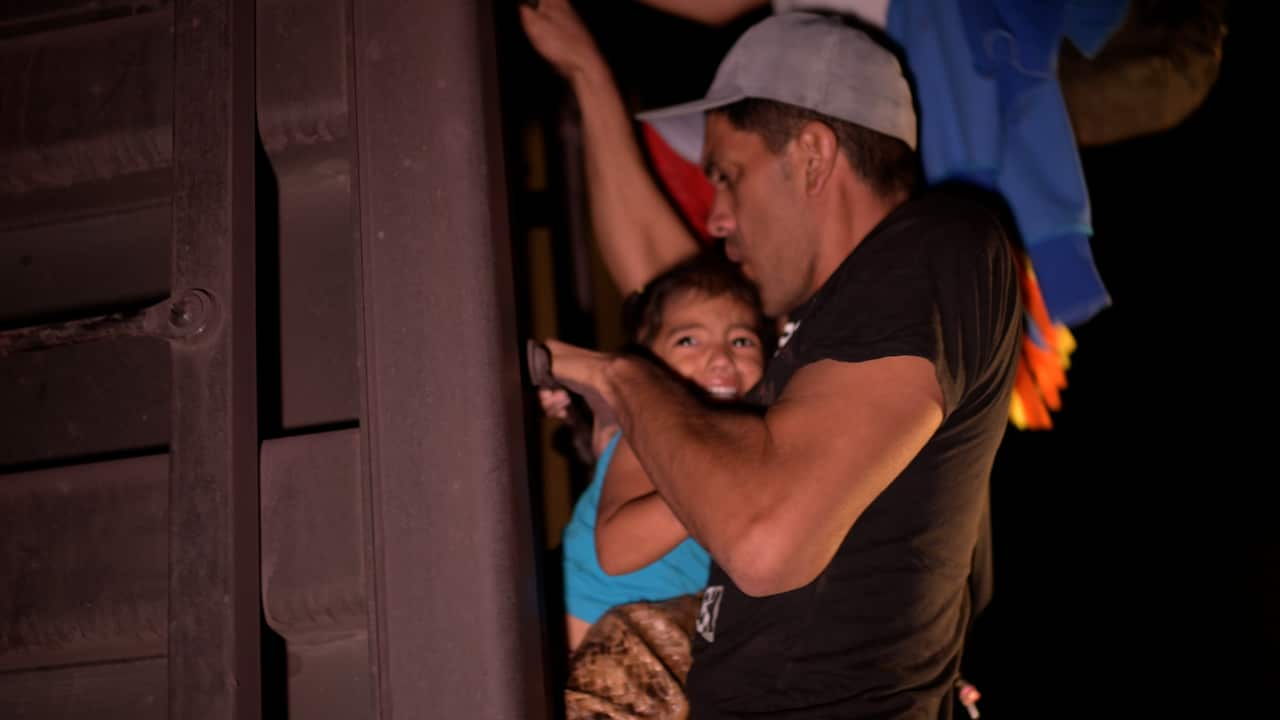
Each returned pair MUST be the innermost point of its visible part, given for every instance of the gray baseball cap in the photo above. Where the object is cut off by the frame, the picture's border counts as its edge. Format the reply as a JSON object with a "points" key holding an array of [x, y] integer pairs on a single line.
{"points": [[817, 62]]}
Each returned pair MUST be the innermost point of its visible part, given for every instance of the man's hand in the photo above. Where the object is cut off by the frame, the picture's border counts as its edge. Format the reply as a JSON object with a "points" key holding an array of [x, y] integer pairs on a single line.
{"points": [[585, 373], [559, 36]]}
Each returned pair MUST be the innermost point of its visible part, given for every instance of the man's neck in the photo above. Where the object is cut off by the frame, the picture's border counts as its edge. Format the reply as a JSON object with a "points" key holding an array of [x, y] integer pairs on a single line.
{"points": [[854, 210]]}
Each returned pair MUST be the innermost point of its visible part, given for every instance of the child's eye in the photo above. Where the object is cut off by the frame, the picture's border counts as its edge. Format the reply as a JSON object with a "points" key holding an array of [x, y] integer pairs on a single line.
{"points": [[744, 342], [685, 341]]}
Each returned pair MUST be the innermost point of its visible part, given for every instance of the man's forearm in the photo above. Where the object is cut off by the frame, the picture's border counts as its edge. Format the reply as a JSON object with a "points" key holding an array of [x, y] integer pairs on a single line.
{"points": [[702, 461], [638, 231]]}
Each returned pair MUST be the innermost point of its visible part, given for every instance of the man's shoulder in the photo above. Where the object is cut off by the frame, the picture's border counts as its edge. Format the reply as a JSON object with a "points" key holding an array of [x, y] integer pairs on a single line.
{"points": [[951, 223], [957, 204]]}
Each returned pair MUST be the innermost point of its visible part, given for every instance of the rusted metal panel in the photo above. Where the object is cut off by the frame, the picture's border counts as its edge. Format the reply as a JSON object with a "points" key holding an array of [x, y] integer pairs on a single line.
{"points": [[456, 623], [24, 17], [83, 402], [332, 680], [313, 572], [87, 174], [111, 202], [313, 566], [213, 649], [317, 294], [303, 48], [303, 56], [85, 145], [84, 564], [92, 103], [117, 691], [76, 266]]}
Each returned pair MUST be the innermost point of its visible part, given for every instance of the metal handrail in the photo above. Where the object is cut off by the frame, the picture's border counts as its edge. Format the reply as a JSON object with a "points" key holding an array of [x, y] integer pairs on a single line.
{"points": [[182, 316]]}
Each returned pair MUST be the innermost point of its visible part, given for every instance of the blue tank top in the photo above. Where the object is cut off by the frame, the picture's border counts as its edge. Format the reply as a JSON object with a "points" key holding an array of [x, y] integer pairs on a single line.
{"points": [[589, 591]]}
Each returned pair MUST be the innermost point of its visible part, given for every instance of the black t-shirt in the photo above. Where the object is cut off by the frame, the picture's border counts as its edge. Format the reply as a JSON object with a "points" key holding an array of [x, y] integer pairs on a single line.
{"points": [[878, 634]]}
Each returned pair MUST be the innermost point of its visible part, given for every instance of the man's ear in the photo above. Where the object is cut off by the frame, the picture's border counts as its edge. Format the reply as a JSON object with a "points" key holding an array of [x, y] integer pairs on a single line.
{"points": [[817, 145]]}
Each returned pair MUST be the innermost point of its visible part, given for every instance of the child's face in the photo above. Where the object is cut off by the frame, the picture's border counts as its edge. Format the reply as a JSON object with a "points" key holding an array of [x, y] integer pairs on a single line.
{"points": [[711, 340]]}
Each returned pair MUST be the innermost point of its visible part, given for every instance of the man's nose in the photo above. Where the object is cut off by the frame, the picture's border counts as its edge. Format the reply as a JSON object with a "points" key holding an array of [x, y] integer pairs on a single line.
{"points": [[720, 222]]}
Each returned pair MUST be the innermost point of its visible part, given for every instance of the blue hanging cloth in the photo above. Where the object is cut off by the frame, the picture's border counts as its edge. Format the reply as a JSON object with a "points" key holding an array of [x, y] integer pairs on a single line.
{"points": [[992, 113]]}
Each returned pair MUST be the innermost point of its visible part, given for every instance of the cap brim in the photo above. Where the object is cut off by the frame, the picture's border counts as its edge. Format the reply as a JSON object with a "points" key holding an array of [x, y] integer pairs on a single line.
{"points": [[683, 126]]}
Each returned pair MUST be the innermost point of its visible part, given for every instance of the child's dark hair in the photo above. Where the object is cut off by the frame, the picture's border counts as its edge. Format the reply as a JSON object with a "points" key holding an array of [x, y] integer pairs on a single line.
{"points": [[708, 273]]}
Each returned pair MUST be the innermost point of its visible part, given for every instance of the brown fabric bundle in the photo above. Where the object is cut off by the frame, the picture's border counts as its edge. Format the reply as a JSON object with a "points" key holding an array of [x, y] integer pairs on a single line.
{"points": [[633, 663]]}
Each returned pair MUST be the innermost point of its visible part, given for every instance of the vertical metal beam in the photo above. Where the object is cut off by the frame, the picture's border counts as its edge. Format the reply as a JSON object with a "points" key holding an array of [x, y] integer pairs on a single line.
{"points": [[455, 622], [214, 615]]}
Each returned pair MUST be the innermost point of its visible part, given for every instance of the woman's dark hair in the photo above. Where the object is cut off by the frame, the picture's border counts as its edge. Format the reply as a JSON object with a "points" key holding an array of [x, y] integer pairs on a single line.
{"points": [[708, 273]]}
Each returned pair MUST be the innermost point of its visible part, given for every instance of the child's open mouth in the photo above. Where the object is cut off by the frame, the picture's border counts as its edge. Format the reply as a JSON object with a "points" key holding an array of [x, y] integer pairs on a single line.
{"points": [[723, 392]]}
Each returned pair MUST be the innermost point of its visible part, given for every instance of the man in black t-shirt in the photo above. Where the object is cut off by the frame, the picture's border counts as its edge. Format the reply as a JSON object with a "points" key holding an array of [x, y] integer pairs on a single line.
{"points": [[841, 519]]}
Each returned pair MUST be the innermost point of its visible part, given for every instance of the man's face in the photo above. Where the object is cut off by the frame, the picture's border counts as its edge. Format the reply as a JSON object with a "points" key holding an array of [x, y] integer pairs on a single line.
{"points": [[760, 211]]}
